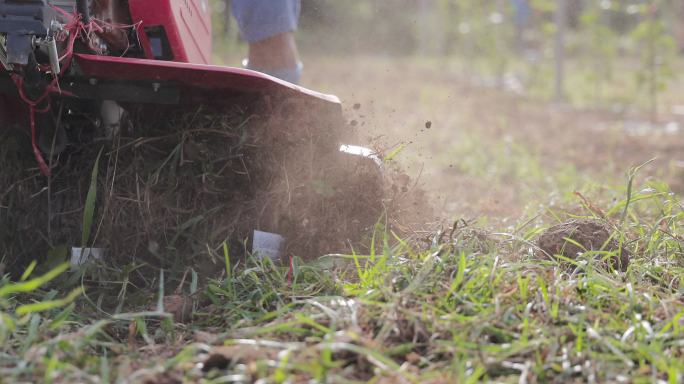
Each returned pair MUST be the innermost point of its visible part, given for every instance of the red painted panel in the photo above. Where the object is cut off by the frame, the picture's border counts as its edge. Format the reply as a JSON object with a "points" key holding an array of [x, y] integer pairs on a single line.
{"points": [[187, 24], [196, 78]]}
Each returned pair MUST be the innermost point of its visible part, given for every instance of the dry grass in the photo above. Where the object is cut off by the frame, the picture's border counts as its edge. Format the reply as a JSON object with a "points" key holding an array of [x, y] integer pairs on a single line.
{"points": [[177, 185], [466, 305]]}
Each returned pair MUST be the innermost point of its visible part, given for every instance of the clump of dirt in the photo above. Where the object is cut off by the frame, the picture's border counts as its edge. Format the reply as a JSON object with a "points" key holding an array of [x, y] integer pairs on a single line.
{"points": [[179, 306], [585, 235], [177, 185]]}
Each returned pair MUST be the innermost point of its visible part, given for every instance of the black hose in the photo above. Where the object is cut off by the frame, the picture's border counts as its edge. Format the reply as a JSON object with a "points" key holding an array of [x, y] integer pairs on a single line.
{"points": [[84, 10]]}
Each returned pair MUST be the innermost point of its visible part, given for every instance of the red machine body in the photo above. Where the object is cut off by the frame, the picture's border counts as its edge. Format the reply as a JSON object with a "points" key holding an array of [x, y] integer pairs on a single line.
{"points": [[152, 44], [117, 53], [187, 24], [197, 80]]}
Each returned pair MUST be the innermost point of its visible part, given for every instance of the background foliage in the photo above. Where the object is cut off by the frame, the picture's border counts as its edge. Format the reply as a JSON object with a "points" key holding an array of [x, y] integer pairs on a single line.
{"points": [[617, 51]]}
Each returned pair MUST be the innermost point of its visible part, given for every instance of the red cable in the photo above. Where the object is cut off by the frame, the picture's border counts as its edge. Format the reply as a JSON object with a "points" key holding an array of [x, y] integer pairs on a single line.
{"points": [[74, 28], [44, 169], [32, 104]]}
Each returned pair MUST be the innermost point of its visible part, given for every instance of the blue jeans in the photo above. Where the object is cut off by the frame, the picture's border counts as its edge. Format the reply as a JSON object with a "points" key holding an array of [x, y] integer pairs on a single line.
{"points": [[261, 19]]}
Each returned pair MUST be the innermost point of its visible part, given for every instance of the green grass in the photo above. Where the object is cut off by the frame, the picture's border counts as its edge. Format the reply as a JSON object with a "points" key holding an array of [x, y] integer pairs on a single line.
{"points": [[463, 305]]}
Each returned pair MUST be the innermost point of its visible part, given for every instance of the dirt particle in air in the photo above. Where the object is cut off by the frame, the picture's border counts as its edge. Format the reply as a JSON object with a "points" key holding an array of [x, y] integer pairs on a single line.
{"points": [[357, 106], [428, 124], [354, 123]]}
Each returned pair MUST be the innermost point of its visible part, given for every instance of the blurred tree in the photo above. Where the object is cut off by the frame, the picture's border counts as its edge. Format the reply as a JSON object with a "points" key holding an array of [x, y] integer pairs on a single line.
{"points": [[575, 8], [599, 48], [561, 21], [378, 26], [450, 20], [656, 49], [227, 23], [678, 22]]}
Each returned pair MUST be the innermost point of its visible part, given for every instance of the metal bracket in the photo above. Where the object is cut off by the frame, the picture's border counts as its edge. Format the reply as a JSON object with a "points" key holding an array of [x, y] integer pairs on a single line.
{"points": [[19, 48], [3, 57], [50, 45]]}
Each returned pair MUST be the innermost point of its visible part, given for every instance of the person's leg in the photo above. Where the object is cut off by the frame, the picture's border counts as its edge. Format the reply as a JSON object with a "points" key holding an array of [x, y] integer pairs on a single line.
{"points": [[522, 18], [276, 52], [268, 26]]}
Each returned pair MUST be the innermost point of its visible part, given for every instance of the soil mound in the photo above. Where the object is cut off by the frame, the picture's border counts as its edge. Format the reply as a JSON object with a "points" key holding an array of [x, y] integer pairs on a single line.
{"points": [[584, 235]]}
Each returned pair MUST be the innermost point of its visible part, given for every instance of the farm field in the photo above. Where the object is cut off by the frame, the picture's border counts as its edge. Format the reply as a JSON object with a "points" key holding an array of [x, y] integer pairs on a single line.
{"points": [[499, 201], [492, 153], [468, 296]]}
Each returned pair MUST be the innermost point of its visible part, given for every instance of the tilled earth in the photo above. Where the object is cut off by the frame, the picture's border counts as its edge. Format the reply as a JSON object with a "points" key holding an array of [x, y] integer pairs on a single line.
{"points": [[176, 185]]}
